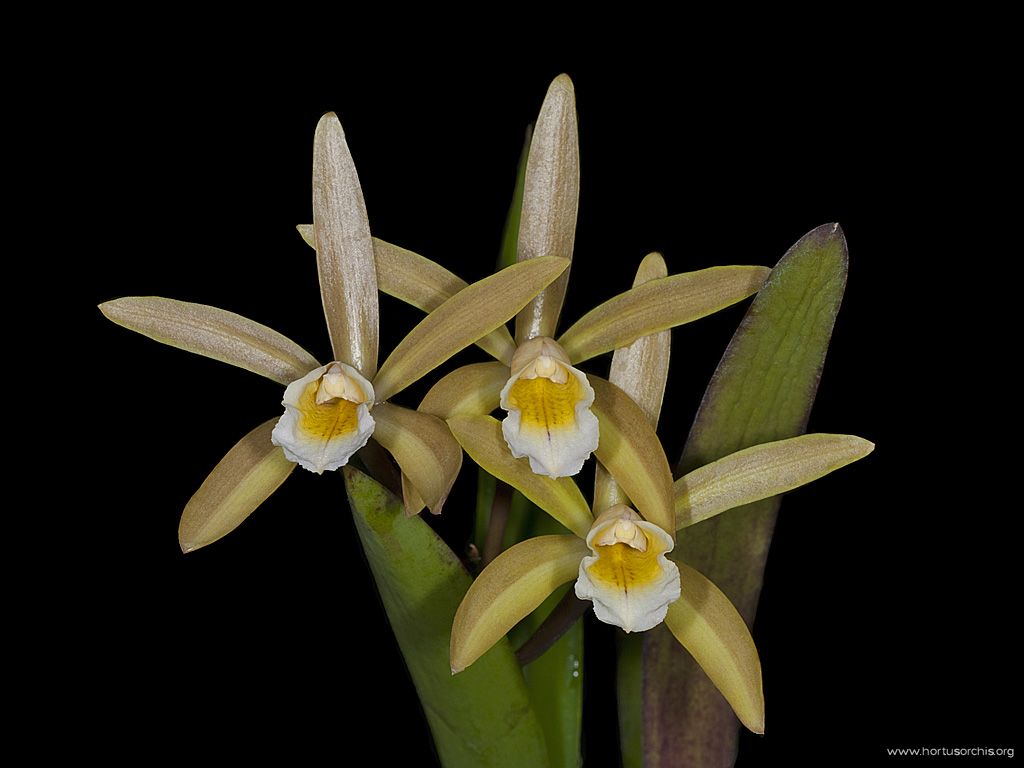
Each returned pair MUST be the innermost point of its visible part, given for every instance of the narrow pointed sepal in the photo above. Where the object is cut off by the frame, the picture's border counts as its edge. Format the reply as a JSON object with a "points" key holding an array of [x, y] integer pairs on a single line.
{"points": [[641, 371], [631, 452], [471, 313], [508, 589], [244, 479], [707, 624], [762, 471], [344, 251], [424, 284], [426, 452], [547, 223], [657, 305], [481, 437], [214, 333], [472, 390]]}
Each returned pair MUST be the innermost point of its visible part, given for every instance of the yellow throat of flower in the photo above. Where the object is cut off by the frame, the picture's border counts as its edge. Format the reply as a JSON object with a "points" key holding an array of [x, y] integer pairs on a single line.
{"points": [[629, 579], [328, 405]]}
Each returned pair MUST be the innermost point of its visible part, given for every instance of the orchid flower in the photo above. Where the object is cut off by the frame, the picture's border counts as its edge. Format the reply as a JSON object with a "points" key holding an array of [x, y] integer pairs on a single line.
{"points": [[332, 410], [547, 398], [619, 558]]}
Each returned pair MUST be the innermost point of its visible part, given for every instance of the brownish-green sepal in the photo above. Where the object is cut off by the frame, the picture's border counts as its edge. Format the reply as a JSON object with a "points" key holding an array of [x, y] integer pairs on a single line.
{"points": [[762, 471], [657, 305], [710, 628], [424, 284], [473, 312], [344, 251], [640, 370], [547, 218], [761, 392], [631, 452], [425, 450], [482, 439], [508, 589], [214, 333], [421, 584], [472, 390], [252, 470]]}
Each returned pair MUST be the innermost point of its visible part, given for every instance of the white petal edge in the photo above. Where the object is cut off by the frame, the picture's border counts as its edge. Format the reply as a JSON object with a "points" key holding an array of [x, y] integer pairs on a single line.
{"points": [[313, 453], [558, 453], [637, 609]]}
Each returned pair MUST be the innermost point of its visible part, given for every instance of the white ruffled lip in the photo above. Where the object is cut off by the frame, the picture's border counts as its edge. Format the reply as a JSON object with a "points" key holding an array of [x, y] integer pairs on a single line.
{"points": [[313, 452], [555, 451], [636, 606]]}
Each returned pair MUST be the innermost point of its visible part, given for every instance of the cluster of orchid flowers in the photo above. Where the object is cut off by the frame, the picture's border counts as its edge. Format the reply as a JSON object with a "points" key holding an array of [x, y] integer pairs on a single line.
{"points": [[556, 416]]}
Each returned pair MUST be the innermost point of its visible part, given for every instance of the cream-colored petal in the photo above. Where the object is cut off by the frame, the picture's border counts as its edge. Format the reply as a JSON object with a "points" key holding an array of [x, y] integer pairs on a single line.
{"points": [[460, 321], [243, 480], [508, 589], [348, 274], [707, 624], [424, 284], [482, 438], [549, 420], [761, 471], [547, 224], [631, 451], [425, 450], [628, 577], [657, 305], [640, 370], [472, 390], [214, 333], [321, 435]]}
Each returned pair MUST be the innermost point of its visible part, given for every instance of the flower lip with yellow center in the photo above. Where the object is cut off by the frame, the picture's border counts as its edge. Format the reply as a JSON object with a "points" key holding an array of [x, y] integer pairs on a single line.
{"points": [[548, 402], [629, 579], [326, 417]]}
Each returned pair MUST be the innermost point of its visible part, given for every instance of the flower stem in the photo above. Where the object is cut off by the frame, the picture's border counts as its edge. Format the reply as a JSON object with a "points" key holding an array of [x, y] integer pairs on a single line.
{"points": [[558, 622], [499, 519]]}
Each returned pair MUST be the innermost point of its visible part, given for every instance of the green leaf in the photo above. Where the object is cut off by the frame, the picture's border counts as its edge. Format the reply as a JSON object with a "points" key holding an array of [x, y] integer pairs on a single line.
{"points": [[510, 235], [481, 717], [762, 391], [555, 680]]}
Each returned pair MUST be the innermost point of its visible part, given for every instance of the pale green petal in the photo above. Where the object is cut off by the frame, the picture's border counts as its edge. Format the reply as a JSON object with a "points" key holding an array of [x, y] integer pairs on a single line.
{"points": [[561, 498], [472, 390], [508, 589], [425, 450], [640, 370], [762, 471], [424, 284], [657, 305], [348, 276], [214, 333], [471, 313], [243, 480], [547, 224], [631, 452], [712, 630]]}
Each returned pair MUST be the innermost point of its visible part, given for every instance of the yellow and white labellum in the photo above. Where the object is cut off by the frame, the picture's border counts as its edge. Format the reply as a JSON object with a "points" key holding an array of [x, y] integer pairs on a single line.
{"points": [[548, 402], [326, 417], [629, 579]]}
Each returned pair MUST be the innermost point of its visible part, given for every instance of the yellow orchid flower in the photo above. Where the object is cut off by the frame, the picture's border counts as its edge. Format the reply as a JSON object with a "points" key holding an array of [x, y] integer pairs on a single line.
{"points": [[332, 410], [619, 559], [548, 399]]}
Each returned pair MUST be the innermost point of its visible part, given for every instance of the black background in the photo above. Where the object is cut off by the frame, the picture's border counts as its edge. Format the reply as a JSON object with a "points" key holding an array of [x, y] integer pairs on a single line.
{"points": [[884, 617]]}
